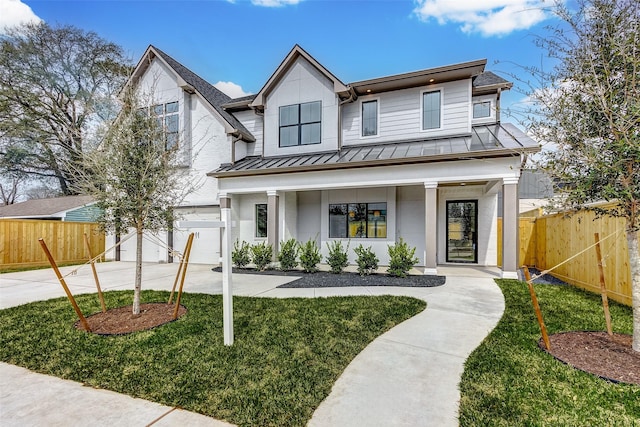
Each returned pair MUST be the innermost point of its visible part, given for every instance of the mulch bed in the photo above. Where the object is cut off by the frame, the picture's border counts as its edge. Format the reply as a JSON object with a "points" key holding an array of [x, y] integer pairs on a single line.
{"points": [[121, 321], [323, 279], [610, 358]]}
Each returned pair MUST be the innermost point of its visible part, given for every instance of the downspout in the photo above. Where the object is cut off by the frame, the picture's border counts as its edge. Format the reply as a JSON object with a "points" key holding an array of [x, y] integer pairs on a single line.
{"points": [[234, 139], [498, 105], [352, 97]]}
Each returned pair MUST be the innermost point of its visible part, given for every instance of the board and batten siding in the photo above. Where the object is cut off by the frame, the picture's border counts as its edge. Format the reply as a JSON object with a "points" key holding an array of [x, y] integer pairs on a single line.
{"points": [[254, 124], [400, 115]]}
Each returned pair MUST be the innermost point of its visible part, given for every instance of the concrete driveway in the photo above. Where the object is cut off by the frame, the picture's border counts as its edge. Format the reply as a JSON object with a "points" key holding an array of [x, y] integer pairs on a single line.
{"points": [[408, 376]]}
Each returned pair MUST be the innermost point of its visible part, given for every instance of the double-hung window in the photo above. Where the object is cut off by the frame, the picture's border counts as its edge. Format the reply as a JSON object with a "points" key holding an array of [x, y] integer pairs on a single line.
{"points": [[370, 118], [168, 119], [431, 110], [358, 220], [300, 124]]}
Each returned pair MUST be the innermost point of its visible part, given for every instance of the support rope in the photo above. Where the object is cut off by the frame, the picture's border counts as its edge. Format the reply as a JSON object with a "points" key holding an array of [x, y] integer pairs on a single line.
{"points": [[95, 258]]}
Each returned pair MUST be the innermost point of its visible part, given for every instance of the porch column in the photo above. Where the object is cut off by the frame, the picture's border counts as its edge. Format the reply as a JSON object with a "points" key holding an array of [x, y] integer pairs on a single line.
{"points": [[431, 227], [273, 232], [227, 296], [510, 247]]}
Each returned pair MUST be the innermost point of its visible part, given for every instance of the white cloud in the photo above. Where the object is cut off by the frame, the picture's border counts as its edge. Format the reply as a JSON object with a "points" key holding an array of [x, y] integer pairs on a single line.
{"points": [[14, 12], [274, 3], [487, 17], [231, 89]]}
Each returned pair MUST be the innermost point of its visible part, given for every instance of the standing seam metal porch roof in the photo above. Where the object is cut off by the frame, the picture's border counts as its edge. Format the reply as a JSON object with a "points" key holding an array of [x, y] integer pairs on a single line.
{"points": [[484, 141]]}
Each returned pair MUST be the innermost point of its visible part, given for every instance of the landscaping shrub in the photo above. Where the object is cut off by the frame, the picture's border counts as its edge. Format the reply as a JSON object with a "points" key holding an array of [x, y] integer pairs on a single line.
{"points": [[288, 254], [310, 256], [241, 254], [261, 254], [367, 261], [401, 259], [338, 258]]}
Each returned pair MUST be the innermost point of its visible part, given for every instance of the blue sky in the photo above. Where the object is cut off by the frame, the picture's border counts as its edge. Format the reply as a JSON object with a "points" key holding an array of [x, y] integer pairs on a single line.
{"points": [[243, 41]]}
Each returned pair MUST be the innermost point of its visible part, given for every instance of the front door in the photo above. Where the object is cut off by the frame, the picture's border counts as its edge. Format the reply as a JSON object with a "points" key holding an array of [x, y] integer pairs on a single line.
{"points": [[462, 235]]}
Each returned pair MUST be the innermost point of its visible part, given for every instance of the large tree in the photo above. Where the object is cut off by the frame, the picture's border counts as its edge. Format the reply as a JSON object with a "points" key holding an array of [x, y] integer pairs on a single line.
{"points": [[56, 85], [589, 107], [135, 176]]}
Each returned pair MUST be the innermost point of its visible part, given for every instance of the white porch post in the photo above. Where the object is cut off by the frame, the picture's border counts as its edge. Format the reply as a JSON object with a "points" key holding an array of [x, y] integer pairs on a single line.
{"points": [[273, 210], [227, 292], [510, 247], [431, 227]]}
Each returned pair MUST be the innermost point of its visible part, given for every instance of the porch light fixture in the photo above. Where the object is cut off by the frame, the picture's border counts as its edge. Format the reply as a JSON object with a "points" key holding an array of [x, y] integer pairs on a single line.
{"points": [[368, 90], [432, 80]]}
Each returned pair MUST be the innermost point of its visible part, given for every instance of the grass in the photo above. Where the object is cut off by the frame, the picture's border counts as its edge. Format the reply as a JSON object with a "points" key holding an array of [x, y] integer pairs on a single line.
{"points": [[509, 381], [286, 357], [13, 269]]}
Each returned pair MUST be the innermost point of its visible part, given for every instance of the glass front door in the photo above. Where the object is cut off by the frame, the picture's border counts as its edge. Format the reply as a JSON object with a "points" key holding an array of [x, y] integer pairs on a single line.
{"points": [[462, 235]]}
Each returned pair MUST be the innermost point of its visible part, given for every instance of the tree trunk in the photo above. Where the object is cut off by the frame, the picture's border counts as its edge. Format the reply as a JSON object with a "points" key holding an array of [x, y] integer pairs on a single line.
{"points": [[138, 285], [634, 263]]}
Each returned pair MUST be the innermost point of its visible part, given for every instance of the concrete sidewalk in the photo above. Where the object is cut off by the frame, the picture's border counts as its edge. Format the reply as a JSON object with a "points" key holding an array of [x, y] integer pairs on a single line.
{"points": [[409, 376]]}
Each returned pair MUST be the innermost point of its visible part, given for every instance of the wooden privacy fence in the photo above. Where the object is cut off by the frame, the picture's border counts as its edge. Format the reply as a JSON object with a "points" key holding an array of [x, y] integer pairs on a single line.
{"points": [[550, 240], [19, 245]]}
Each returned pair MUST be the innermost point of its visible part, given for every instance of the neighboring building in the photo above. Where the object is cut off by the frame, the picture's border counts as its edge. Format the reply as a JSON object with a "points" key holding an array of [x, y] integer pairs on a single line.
{"points": [[421, 155], [69, 208]]}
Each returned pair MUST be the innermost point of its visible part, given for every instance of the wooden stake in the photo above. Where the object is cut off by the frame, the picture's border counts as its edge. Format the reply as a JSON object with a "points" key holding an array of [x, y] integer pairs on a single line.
{"points": [[187, 252], [64, 285], [536, 307], [175, 282], [95, 273], [603, 287]]}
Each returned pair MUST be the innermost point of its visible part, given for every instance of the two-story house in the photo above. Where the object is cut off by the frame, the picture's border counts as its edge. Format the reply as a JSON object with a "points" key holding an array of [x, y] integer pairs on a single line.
{"points": [[421, 155]]}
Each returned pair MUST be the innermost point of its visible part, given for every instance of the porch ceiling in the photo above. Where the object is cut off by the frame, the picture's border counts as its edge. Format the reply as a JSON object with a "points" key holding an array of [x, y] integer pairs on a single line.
{"points": [[484, 141]]}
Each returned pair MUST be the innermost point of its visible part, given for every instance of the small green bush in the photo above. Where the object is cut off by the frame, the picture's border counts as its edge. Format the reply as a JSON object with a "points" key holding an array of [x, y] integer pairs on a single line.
{"points": [[367, 261], [261, 254], [401, 259], [310, 256], [241, 254], [338, 257], [288, 254]]}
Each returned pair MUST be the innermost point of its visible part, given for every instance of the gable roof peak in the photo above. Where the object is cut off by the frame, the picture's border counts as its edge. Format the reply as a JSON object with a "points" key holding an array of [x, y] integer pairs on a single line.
{"points": [[296, 52]]}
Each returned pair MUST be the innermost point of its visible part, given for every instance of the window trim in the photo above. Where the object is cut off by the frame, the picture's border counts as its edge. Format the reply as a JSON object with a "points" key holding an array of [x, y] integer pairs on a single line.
{"points": [[299, 125], [422, 94], [365, 101], [482, 101], [256, 222]]}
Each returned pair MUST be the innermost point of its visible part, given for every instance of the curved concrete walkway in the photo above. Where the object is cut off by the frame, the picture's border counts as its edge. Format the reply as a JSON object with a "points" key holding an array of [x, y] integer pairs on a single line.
{"points": [[408, 376]]}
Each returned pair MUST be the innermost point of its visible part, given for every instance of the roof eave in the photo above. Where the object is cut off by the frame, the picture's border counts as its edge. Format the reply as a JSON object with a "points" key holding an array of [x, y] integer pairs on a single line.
{"points": [[505, 152]]}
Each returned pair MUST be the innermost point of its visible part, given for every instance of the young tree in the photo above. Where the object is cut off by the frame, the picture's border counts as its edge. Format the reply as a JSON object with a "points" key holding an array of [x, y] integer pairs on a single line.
{"points": [[134, 177], [56, 85], [589, 106]]}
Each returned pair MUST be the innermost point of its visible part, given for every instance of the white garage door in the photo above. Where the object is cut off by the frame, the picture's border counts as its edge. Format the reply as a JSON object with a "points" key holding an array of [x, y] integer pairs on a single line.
{"points": [[206, 241]]}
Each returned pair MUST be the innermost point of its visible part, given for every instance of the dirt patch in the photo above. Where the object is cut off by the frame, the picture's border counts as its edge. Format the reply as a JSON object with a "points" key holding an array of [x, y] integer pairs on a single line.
{"points": [[121, 321], [609, 357]]}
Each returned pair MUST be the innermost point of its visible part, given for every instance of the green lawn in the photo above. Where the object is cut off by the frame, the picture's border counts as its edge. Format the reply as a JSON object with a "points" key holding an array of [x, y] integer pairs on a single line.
{"points": [[509, 381], [287, 354]]}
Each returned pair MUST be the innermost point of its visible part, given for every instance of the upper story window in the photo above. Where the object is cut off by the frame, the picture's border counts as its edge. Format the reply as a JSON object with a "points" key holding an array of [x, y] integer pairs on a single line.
{"points": [[370, 118], [431, 110], [300, 124], [168, 118], [481, 109]]}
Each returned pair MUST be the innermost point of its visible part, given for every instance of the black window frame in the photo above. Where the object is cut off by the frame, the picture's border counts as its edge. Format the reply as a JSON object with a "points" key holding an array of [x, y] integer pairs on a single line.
{"points": [[348, 213], [299, 125], [261, 209]]}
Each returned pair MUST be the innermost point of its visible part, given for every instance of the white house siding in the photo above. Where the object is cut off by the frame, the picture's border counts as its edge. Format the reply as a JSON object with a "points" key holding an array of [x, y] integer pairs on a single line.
{"points": [[487, 226], [484, 98], [400, 115], [410, 218], [309, 215], [254, 124], [301, 83], [245, 206]]}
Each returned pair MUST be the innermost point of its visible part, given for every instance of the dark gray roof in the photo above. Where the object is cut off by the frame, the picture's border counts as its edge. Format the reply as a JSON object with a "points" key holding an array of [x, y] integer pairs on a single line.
{"points": [[214, 96], [44, 207], [488, 78], [484, 141]]}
